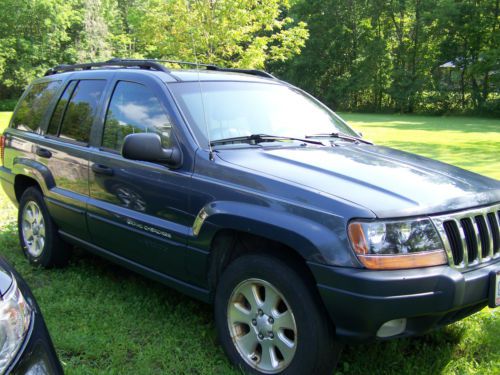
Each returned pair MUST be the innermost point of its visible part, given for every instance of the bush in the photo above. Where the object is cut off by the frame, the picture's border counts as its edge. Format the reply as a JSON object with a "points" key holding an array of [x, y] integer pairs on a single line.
{"points": [[7, 104]]}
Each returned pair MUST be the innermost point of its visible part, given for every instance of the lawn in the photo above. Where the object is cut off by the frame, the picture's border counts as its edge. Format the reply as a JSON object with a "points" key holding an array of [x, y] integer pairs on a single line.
{"points": [[468, 142], [107, 320]]}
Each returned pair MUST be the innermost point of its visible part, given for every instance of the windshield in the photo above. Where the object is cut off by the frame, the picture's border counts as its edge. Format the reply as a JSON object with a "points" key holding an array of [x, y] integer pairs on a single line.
{"points": [[236, 109]]}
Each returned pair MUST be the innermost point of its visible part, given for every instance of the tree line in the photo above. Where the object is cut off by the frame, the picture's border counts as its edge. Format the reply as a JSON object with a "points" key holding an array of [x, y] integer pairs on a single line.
{"points": [[410, 56], [429, 56]]}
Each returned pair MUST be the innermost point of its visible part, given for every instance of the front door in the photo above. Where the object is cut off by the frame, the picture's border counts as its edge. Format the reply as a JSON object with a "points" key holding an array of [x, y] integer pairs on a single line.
{"points": [[138, 210]]}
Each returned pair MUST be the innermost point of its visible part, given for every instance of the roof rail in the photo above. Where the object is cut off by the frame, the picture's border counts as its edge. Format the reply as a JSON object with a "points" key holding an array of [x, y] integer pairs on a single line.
{"points": [[143, 64], [254, 72], [152, 64], [178, 62]]}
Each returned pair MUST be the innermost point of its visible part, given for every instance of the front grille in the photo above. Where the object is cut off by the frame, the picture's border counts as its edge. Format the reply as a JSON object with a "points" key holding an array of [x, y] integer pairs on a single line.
{"points": [[470, 237]]}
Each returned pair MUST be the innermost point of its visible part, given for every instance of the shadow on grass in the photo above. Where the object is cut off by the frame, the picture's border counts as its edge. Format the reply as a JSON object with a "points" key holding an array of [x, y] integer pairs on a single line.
{"points": [[88, 264], [460, 127], [465, 154], [435, 125], [428, 354], [102, 316]]}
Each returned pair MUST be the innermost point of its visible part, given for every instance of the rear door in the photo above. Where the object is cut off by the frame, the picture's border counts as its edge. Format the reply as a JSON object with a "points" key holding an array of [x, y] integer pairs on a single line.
{"points": [[64, 149], [138, 210]]}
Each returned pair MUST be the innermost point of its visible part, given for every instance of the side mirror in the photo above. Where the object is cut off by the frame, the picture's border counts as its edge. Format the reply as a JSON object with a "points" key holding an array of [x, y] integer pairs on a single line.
{"points": [[148, 147]]}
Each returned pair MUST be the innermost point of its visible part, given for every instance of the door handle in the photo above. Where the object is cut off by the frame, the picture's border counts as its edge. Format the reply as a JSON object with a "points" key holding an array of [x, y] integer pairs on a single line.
{"points": [[44, 153], [102, 169]]}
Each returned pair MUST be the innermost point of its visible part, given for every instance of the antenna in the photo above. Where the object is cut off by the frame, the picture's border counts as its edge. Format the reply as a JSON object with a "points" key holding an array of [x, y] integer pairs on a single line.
{"points": [[211, 152]]}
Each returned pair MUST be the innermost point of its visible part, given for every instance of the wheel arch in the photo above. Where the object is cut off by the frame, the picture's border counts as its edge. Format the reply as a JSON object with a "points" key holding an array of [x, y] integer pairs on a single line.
{"points": [[228, 230], [306, 236], [31, 173], [23, 182], [230, 244]]}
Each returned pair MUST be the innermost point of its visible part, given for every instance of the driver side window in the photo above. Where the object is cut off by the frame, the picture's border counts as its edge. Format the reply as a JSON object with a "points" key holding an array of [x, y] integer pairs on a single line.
{"points": [[134, 109]]}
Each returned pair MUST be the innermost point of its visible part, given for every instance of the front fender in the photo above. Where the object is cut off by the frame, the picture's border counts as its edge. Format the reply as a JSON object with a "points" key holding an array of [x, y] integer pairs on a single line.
{"points": [[323, 240]]}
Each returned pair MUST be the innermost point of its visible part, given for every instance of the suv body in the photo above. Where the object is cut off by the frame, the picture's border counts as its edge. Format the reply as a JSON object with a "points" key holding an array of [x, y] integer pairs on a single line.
{"points": [[184, 223]]}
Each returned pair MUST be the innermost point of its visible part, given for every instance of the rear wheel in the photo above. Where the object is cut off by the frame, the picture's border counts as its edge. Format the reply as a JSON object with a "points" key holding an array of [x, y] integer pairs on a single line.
{"points": [[38, 235], [270, 321]]}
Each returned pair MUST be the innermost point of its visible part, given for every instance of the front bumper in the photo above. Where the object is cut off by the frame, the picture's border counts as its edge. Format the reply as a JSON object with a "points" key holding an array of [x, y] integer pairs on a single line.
{"points": [[37, 354], [360, 301]]}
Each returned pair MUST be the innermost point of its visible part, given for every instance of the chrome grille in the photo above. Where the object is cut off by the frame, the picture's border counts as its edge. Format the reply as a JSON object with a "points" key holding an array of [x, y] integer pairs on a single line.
{"points": [[470, 237]]}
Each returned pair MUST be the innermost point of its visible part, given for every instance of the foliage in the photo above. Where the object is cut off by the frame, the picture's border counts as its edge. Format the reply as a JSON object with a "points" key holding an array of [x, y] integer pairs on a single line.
{"points": [[241, 33], [37, 35], [386, 55], [107, 320], [7, 104], [377, 55], [33, 36]]}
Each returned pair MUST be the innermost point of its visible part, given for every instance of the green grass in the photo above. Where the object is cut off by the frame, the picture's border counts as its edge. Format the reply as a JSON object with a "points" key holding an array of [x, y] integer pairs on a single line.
{"points": [[4, 119], [107, 320], [468, 142]]}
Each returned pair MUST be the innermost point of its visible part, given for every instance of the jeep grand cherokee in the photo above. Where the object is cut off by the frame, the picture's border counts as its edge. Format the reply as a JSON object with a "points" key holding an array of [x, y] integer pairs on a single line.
{"points": [[243, 191]]}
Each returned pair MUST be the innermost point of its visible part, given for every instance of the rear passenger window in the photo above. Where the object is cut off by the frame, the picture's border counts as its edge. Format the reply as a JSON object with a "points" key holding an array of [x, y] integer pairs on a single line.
{"points": [[81, 110], [58, 114], [33, 107], [134, 109]]}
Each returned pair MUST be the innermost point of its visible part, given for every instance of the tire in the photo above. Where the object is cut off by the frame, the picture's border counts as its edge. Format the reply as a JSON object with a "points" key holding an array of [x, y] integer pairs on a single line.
{"points": [[293, 325], [38, 235]]}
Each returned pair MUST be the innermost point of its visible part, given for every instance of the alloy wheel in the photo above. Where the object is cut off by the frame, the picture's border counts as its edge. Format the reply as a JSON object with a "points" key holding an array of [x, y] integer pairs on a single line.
{"points": [[262, 326], [33, 229]]}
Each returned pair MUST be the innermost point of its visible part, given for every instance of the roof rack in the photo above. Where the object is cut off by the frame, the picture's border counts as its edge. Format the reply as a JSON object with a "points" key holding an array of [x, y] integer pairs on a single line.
{"points": [[254, 72], [153, 65], [177, 62], [143, 64]]}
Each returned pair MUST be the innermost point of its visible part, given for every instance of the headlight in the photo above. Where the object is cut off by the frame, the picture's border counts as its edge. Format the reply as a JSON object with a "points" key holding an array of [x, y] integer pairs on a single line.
{"points": [[397, 244], [15, 317]]}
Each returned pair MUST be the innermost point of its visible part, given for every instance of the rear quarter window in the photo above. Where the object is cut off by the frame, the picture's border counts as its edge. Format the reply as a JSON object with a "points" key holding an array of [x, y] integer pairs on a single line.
{"points": [[34, 105]]}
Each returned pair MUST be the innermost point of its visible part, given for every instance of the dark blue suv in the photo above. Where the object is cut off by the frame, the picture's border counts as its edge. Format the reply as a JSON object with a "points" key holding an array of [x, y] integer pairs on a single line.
{"points": [[241, 190]]}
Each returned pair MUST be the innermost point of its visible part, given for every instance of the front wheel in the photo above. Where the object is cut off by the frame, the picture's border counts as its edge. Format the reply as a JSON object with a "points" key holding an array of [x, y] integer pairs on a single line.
{"points": [[269, 320]]}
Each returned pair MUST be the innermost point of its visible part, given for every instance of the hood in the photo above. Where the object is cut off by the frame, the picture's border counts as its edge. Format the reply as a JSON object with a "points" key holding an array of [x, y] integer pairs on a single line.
{"points": [[388, 182]]}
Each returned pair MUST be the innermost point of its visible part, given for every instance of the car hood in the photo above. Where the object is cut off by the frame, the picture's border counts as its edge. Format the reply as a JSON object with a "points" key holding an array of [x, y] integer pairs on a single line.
{"points": [[388, 182]]}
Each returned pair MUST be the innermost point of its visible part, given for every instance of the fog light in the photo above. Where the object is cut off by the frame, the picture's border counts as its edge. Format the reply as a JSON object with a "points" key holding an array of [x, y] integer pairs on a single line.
{"points": [[392, 328]]}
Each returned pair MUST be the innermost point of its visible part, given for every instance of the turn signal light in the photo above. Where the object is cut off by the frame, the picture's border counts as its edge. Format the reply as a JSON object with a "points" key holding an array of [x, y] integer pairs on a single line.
{"points": [[390, 245]]}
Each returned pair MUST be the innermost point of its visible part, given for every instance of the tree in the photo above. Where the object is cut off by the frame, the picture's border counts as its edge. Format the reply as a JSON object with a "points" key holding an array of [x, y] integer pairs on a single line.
{"points": [[369, 55], [472, 42], [33, 36], [100, 31], [345, 61], [386, 54], [238, 33]]}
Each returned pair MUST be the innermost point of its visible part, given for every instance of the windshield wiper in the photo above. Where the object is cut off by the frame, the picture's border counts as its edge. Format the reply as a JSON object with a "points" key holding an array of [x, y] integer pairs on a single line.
{"points": [[254, 139], [340, 136]]}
